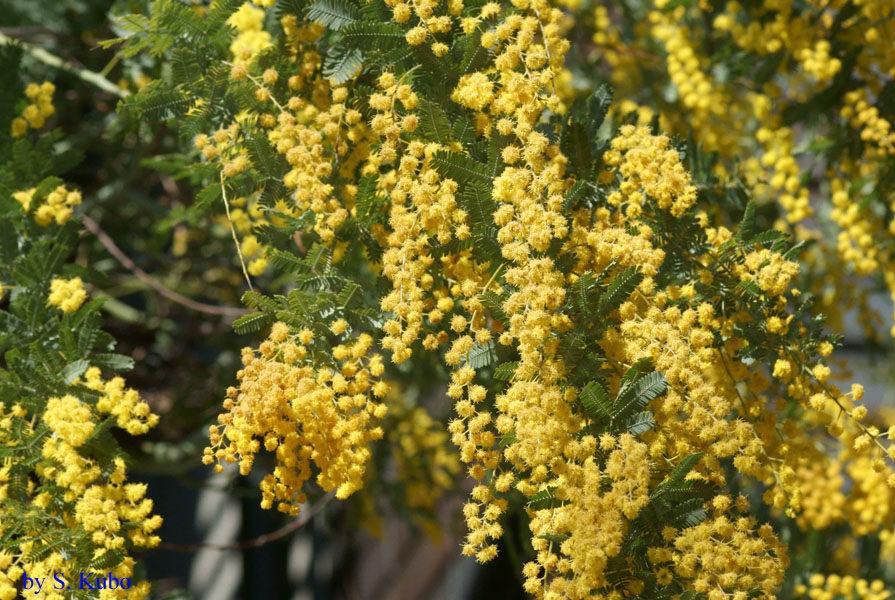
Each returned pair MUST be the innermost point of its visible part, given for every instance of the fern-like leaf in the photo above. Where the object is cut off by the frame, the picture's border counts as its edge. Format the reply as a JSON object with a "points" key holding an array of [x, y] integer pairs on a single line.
{"points": [[342, 64], [364, 35], [596, 403], [251, 323], [460, 168], [638, 396], [434, 125], [333, 14], [619, 290]]}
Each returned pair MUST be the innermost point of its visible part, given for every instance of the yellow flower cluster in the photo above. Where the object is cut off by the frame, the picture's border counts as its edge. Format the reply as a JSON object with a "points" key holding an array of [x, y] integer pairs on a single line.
{"points": [[769, 270], [38, 110], [651, 169], [833, 587], [314, 129], [69, 419], [56, 206], [429, 24], [750, 120], [131, 413], [708, 109], [531, 436], [245, 213], [863, 116], [67, 294], [727, 558], [251, 37], [474, 91], [595, 521], [103, 509], [323, 416], [69, 487]]}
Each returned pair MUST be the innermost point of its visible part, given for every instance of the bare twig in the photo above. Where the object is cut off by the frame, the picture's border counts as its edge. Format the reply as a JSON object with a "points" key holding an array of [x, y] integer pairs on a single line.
{"points": [[258, 541], [146, 278], [54, 61]]}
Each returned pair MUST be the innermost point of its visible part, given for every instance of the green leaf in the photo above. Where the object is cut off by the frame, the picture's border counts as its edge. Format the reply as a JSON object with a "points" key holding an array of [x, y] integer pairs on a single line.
{"points": [[475, 56], [494, 304], [505, 371], [476, 200], [155, 103], [264, 158], [351, 295], [368, 202], [463, 129], [460, 167], [434, 125], [619, 290], [544, 499], [633, 374], [186, 70], [508, 439], [333, 14], [251, 323], [582, 292], [638, 396], [747, 224], [286, 261], [109, 559], [290, 7], [640, 423], [253, 299], [596, 107], [596, 403], [341, 64], [576, 146], [678, 475], [750, 287], [74, 370], [481, 355], [364, 35], [112, 362]]}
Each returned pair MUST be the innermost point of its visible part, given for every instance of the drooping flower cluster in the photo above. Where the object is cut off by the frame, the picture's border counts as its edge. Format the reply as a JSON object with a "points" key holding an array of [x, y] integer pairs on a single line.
{"points": [[322, 416], [622, 358]]}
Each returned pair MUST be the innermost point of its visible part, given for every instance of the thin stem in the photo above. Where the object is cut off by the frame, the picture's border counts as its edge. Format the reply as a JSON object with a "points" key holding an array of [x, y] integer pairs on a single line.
{"points": [[258, 541], [233, 233], [52, 60], [143, 276]]}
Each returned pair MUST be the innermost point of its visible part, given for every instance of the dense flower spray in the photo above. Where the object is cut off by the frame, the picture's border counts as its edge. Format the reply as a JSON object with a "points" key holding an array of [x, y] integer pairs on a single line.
{"points": [[630, 364]]}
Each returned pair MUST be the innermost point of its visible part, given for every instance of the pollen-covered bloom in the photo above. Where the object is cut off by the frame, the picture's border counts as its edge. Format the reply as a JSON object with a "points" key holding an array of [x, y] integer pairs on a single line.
{"points": [[67, 294]]}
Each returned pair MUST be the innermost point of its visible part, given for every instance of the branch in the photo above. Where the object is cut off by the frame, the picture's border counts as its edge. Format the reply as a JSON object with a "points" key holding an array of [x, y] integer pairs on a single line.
{"points": [[146, 278], [258, 541], [54, 61]]}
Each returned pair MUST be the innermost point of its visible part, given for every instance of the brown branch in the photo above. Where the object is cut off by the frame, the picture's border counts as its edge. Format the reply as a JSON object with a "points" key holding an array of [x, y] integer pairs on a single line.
{"points": [[146, 278], [258, 541]]}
